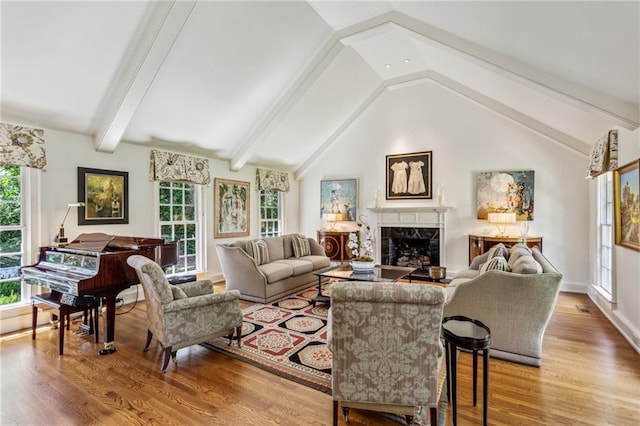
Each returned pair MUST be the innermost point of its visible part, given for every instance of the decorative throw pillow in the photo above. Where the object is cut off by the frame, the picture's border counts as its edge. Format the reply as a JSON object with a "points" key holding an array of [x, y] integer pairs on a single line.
{"points": [[497, 263], [517, 254], [501, 252], [259, 251], [497, 248], [518, 246], [178, 293], [526, 265], [300, 246]]}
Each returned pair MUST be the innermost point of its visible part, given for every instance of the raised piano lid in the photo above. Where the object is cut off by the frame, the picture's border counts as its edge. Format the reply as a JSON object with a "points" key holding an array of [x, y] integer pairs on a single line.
{"points": [[95, 241]]}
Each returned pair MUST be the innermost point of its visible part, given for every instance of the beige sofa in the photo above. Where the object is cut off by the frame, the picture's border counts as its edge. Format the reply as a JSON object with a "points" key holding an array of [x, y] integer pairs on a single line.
{"points": [[516, 307], [282, 274]]}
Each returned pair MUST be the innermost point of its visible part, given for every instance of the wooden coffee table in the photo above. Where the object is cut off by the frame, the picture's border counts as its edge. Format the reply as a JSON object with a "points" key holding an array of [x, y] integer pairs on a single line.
{"points": [[380, 273]]}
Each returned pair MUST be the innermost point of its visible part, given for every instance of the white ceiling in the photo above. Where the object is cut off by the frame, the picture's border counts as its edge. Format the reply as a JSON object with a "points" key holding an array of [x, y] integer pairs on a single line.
{"points": [[275, 83]]}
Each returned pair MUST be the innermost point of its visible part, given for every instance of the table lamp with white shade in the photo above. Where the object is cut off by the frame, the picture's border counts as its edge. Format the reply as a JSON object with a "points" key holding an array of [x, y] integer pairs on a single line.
{"points": [[502, 220]]}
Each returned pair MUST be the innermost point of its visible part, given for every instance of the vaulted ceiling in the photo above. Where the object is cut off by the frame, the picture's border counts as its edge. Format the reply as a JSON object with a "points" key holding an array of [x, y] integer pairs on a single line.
{"points": [[276, 83]]}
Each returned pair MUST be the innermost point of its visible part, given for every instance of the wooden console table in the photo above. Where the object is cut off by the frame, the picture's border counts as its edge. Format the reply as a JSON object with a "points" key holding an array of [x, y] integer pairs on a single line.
{"points": [[335, 244], [479, 244]]}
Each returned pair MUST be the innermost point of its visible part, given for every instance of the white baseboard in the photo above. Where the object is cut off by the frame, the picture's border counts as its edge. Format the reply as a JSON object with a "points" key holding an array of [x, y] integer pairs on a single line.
{"points": [[622, 324], [572, 287]]}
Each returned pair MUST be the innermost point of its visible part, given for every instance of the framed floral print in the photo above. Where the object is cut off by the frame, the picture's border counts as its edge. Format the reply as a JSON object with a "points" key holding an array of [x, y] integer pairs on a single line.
{"points": [[409, 176], [231, 199], [626, 202]]}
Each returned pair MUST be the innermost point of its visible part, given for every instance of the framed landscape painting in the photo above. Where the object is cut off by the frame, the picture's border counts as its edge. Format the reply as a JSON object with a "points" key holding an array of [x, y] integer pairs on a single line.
{"points": [[339, 198], [105, 194], [626, 201], [409, 176], [231, 199]]}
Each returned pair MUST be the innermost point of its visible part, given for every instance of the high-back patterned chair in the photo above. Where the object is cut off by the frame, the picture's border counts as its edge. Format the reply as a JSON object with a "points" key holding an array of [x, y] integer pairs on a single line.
{"points": [[387, 352], [185, 314]]}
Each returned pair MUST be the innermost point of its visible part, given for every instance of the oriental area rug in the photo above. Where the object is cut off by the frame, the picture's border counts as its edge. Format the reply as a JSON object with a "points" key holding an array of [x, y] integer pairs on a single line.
{"points": [[289, 339]]}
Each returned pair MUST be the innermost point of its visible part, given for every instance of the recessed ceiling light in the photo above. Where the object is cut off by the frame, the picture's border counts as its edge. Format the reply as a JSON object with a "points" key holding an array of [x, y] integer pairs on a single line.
{"points": [[407, 60], [387, 65]]}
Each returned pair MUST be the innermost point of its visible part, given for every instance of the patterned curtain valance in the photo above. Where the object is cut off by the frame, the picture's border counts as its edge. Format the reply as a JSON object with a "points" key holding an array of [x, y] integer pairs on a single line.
{"points": [[22, 146], [604, 156], [172, 167], [272, 179]]}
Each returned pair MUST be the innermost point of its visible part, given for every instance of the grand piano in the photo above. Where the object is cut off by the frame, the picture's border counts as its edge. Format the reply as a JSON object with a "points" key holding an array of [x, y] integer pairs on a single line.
{"points": [[95, 264]]}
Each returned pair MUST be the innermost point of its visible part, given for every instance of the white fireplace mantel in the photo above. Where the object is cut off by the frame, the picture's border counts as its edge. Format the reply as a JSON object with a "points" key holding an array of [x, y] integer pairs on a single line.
{"points": [[415, 217], [412, 217]]}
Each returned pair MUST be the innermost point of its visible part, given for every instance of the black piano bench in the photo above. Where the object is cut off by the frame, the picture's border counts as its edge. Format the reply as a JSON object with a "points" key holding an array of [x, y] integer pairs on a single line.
{"points": [[89, 306]]}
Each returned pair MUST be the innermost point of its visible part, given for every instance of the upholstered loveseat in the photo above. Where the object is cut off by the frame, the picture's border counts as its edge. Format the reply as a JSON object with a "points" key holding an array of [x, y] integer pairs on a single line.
{"points": [[516, 306], [267, 269]]}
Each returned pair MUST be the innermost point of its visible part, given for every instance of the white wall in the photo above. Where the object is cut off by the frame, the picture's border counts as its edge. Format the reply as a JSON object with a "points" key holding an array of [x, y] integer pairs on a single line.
{"points": [[624, 310], [465, 138], [59, 187]]}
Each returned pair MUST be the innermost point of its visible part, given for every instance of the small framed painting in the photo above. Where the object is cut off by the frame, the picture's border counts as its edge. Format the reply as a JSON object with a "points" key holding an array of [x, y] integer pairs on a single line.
{"points": [[231, 199], [626, 202], [339, 200], [105, 194], [409, 176]]}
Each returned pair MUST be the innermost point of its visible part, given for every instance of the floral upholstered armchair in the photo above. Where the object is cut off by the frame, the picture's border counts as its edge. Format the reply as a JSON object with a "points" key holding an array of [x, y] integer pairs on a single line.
{"points": [[185, 314], [387, 352]]}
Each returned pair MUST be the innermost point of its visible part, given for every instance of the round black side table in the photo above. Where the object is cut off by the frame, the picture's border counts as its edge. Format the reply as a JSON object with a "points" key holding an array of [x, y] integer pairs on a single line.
{"points": [[472, 335]]}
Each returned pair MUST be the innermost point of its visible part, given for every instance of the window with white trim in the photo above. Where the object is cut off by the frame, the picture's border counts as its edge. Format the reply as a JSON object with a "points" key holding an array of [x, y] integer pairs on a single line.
{"points": [[13, 234], [604, 249], [270, 213], [179, 219]]}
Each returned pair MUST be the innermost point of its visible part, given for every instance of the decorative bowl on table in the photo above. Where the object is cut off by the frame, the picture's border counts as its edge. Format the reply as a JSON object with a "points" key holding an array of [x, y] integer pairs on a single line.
{"points": [[362, 267], [437, 272]]}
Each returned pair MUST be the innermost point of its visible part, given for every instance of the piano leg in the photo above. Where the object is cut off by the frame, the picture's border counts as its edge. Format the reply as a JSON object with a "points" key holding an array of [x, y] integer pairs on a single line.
{"points": [[110, 325]]}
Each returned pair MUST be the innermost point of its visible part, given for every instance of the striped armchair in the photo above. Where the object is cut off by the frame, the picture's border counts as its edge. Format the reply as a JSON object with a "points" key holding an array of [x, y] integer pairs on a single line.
{"points": [[387, 352]]}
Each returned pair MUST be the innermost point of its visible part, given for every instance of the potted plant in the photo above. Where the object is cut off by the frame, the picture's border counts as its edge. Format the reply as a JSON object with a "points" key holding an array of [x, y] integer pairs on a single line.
{"points": [[362, 249]]}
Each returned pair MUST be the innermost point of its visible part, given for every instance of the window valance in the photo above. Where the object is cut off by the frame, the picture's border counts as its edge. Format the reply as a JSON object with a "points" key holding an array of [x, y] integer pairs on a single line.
{"points": [[272, 179], [604, 156], [171, 167], [22, 146]]}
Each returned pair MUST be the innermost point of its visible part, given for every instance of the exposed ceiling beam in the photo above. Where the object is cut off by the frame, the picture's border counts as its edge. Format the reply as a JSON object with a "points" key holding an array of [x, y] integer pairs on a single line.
{"points": [[562, 138], [321, 60], [141, 65], [566, 141], [622, 113], [375, 93], [315, 157]]}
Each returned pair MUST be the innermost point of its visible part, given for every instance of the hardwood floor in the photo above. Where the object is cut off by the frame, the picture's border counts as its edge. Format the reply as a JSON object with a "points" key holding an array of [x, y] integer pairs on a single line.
{"points": [[590, 376]]}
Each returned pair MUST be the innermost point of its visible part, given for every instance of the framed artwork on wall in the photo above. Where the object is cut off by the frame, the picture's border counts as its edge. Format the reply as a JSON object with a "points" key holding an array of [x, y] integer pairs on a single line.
{"points": [[409, 176], [339, 200], [231, 198], [626, 204], [105, 194], [506, 192]]}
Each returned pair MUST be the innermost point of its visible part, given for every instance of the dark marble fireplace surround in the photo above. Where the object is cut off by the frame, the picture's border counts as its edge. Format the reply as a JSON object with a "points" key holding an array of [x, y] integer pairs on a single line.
{"points": [[409, 246]]}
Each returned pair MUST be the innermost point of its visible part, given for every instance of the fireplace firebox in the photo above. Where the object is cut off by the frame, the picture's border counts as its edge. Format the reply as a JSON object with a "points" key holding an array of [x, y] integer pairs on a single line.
{"points": [[413, 247]]}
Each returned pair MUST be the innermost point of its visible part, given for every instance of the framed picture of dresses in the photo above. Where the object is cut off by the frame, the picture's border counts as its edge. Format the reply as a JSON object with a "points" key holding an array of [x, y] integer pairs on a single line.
{"points": [[626, 205], [409, 176]]}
